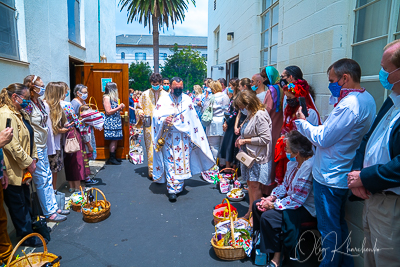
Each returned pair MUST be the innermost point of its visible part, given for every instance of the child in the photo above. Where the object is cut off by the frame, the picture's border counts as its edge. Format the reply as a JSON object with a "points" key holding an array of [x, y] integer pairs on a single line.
{"points": [[86, 133]]}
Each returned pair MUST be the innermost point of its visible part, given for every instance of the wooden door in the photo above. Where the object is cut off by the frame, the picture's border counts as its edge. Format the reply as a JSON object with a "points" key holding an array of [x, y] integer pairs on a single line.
{"points": [[93, 75]]}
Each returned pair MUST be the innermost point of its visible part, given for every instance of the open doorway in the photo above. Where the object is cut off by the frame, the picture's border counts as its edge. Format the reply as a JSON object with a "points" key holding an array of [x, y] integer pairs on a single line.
{"points": [[72, 74]]}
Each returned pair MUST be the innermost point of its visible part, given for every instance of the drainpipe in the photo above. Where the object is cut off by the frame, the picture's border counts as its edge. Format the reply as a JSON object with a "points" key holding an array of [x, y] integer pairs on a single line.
{"points": [[98, 18]]}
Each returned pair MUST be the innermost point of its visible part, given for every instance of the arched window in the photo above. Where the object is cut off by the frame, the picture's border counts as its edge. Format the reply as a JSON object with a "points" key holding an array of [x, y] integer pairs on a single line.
{"points": [[123, 55]]}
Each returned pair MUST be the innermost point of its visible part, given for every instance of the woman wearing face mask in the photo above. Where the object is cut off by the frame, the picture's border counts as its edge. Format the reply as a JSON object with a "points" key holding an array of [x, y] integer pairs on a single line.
{"points": [[293, 89], [87, 132], [228, 149], [20, 155], [255, 140], [76, 165], [244, 84], [42, 177], [279, 216], [112, 122], [147, 102], [214, 131]]}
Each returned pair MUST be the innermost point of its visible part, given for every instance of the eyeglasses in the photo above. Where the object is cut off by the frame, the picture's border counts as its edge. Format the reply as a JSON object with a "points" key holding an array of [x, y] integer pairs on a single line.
{"points": [[24, 98]]}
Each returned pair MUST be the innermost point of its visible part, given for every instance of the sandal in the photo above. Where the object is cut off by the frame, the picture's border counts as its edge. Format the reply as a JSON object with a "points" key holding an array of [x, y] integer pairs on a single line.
{"points": [[63, 212], [55, 217]]}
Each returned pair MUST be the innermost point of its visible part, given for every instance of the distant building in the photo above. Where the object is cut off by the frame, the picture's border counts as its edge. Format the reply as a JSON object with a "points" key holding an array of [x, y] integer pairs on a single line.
{"points": [[246, 36], [137, 48], [48, 37]]}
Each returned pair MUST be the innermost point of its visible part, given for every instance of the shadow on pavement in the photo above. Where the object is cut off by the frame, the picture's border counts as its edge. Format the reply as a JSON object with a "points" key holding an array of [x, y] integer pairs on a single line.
{"points": [[142, 171]]}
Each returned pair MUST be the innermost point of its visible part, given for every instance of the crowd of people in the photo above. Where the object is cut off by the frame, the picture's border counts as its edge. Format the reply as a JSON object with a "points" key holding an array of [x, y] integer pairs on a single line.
{"points": [[296, 166], [36, 125], [300, 166]]}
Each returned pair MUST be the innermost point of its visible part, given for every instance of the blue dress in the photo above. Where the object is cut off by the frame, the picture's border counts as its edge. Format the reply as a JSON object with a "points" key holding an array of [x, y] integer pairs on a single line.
{"points": [[113, 124], [132, 116]]}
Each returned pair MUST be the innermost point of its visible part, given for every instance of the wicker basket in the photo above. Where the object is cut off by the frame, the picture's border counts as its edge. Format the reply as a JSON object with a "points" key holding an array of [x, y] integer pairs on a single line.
{"points": [[229, 253], [93, 217], [35, 259], [221, 219]]}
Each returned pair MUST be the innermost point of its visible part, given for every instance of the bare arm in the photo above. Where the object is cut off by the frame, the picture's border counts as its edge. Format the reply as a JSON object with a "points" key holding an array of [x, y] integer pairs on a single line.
{"points": [[107, 106]]}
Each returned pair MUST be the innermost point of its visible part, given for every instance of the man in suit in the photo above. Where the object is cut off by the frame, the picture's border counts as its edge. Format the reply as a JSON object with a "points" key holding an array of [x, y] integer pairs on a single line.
{"points": [[375, 174]]}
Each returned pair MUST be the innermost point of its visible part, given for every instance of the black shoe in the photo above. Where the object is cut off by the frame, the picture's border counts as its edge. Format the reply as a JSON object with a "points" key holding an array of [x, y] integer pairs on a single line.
{"points": [[119, 160], [113, 161], [34, 241], [172, 197]]}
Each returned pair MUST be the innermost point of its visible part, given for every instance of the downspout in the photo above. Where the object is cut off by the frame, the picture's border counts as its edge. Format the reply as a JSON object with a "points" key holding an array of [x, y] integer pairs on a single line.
{"points": [[98, 18]]}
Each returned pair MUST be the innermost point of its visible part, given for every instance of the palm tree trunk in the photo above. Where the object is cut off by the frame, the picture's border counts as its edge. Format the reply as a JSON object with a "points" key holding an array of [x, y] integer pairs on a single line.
{"points": [[156, 40]]}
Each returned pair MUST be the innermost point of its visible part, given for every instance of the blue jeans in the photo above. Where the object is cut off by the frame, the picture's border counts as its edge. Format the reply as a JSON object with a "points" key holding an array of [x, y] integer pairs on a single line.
{"points": [[329, 205], [42, 178]]}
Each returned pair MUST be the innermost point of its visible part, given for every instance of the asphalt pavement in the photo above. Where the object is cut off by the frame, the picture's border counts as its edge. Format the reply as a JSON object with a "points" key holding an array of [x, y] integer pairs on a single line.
{"points": [[144, 228]]}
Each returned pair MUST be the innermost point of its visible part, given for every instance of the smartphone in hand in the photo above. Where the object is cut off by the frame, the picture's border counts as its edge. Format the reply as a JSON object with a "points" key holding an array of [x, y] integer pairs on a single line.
{"points": [[302, 102], [8, 123]]}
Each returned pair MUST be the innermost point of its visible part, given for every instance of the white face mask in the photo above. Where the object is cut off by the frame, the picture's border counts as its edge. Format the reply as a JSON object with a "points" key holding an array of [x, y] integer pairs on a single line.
{"points": [[244, 111], [84, 96]]}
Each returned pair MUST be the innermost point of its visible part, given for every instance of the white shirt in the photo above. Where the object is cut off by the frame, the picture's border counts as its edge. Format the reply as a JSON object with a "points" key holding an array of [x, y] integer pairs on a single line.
{"points": [[377, 149], [261, 96], [339, 137]]}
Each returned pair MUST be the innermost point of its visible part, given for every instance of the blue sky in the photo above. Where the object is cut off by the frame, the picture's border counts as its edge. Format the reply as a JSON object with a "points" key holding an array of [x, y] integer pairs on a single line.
{"points": [[194, 17]]}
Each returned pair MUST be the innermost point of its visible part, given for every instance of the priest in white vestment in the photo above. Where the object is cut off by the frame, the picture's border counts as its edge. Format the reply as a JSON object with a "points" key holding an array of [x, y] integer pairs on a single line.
{"points": [[186, 150]]}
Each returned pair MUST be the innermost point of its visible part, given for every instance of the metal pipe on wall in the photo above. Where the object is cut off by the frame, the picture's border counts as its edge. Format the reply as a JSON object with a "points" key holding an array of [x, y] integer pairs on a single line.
{"points": [[98, 18]]}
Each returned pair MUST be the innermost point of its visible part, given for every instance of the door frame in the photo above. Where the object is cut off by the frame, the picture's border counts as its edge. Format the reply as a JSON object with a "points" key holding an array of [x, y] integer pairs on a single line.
{"points": [[83, 73]]}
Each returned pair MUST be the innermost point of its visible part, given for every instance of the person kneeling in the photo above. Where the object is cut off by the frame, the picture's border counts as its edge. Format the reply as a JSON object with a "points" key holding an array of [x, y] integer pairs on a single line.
{"points": [[289, 204]]}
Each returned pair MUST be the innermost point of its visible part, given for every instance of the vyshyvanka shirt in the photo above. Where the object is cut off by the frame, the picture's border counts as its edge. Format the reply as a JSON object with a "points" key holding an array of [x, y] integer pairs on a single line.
{"points": [[339, 137], [377, 150]]}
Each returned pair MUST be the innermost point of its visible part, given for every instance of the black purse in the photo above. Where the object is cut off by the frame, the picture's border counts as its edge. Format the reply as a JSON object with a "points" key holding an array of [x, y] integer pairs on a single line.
{"points": [[39, 225], [35, 204]]}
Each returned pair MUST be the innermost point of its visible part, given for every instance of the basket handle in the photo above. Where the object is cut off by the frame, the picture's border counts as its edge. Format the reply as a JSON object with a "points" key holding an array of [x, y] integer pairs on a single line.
{"points": [[95, 188], [232, 227], [22, 240], [95, 102], [229, 207]]}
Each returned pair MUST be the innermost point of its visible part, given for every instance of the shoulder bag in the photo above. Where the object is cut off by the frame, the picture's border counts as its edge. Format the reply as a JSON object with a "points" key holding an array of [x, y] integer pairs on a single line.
{"points": [[71, 144], [245, 158], [207, 116]]}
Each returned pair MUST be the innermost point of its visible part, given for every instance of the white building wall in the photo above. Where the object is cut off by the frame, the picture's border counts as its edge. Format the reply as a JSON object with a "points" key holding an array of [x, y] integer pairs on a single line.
{"points": [[241, 18], [313, 34], [43, 39]]}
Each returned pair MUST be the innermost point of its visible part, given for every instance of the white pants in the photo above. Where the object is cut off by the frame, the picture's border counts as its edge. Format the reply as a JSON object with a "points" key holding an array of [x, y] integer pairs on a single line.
{"points": [[215, 144]]}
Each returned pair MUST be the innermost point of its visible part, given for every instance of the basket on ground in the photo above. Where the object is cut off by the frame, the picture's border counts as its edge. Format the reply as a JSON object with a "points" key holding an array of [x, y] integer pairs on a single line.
{"points": [[229, 253], [225, 216], [92, 217], [32, 259]]}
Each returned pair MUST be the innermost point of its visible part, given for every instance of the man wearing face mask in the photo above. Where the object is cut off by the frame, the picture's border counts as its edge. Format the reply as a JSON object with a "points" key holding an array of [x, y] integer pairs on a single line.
{"points": [[165, 84], [146, 105], [375, 174], [181, 148], [336, 143]]}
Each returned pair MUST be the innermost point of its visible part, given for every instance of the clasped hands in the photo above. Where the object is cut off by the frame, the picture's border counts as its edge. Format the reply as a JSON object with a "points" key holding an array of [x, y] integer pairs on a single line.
{"points": [[266, 203], [356, 186]]}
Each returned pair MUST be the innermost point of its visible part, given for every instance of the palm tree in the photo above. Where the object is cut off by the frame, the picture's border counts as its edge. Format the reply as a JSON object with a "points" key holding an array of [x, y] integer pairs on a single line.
{"points": [[159, 12]]}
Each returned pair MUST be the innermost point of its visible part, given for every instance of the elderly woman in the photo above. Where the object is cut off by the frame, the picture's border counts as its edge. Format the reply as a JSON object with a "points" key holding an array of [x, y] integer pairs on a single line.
{"points": [[255, 140], [19, 156], [290, 204], [87, 133], [219, 103]]}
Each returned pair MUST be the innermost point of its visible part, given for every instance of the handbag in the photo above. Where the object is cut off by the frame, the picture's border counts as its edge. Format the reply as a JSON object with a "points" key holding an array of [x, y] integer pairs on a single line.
{"points": [[207, 116], [71, 144], [39, 225]]}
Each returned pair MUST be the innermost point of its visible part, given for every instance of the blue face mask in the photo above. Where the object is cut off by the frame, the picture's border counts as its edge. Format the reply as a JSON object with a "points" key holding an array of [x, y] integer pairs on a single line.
{"points": [[67, 94], [254, 88], [383, 78], [131, 95], [290, 158], [24, 103], [244, 111], [230, 90], [155, 87], [42, 90], [166, 87], [335, 88]]}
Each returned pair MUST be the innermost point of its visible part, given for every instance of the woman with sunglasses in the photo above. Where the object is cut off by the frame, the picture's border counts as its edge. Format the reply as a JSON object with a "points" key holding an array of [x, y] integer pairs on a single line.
{"points": [[42, 177]]}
